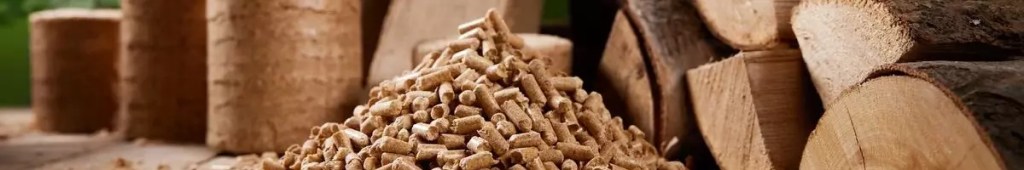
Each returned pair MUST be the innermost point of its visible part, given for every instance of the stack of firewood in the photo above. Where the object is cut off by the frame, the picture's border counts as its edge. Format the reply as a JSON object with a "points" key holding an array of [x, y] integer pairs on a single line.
{"points": [[897, 83]]}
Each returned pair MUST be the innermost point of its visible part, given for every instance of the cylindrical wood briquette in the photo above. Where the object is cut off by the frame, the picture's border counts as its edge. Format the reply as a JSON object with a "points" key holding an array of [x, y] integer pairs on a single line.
{"points": [[74, 53], [163, 72]]}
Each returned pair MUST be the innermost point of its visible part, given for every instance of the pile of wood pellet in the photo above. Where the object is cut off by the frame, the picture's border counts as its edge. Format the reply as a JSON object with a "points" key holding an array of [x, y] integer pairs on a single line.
{"points": [[481, 103]]}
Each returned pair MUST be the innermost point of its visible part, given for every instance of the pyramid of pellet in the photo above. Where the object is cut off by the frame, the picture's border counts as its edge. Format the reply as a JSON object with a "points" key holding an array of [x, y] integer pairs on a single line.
{"points": [[481, 103]]}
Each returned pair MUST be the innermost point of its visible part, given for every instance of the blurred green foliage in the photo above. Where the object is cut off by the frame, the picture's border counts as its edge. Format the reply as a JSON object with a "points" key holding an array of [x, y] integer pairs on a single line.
{"points": [[14, 44]]}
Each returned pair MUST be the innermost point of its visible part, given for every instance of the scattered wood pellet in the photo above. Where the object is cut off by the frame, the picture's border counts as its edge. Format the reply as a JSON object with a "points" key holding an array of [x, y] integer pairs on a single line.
{"points": [[481, 103]]}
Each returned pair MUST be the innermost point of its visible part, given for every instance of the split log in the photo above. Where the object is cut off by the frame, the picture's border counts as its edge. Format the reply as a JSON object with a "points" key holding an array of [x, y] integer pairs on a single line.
{"points": [[624, 78], [749, 24], [843, 40], [74, 72], [674, 40], [163, 70], [926, 115], [410, 22], [556, 51], [267, 70], [753, 109]]}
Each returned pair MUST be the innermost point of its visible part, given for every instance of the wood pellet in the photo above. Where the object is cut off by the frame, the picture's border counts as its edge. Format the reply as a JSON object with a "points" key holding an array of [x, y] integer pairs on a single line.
{"points": [[480, 103]]}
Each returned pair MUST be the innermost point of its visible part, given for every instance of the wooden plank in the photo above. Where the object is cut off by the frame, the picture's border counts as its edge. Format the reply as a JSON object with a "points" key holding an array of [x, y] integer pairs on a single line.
{"points": [[33, 150], [410, 22], [949, 114], [749, 24], [843, 40], [137, 156], [624, 78], [14, 122], [674, 40], [752, 109]]}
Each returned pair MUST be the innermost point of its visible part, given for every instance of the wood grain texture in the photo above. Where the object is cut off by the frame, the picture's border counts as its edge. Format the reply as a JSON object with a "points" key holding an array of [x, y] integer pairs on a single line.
{"points": [[410, 22], [30, 151], [624, 79], [749, 24], [278, 68], [932, 114], [991, 91], [74, 69], [163, 69], [751, 109], [843, 40], [674, 40]]}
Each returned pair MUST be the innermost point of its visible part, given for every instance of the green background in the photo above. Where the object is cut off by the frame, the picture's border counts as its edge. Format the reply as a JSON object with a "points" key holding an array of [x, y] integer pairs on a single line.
{"points": [[14, 57]]}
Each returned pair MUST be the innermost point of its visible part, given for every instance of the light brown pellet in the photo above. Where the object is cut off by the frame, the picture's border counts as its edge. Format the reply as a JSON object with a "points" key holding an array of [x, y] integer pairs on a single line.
{"points": [[498, 117], [542, 125], [527, 139], [432, 80], [486, 100], [354, 121], [429, 151], [463, 44], [474, 24], [387, 158], [477, 33], [465, 80], [452, 141], [498, 143], [467, 124], [517, 116], [477, 161], [533, 90], [626, 162], [507, 94], [551, 155], [420, 103], [386, 108], [576, 151], [496, 73], [566, 83], [451, 156], [359, 139], [517, 167], [478, 144], [569, 164], [550, 165], [439, 111], [426, 131], [522, 155], [465, 111], [490, 49], [535, 164], [593, 125], [446, 92], [392, 145], [506, 128], [371, 163], [443, 125], [467, 97], [403, 121], [474, 61], [562, 132], [421, 116]]}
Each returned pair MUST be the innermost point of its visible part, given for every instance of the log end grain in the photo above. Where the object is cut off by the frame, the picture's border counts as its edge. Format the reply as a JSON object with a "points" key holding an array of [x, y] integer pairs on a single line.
{"points": [[897, 122]]}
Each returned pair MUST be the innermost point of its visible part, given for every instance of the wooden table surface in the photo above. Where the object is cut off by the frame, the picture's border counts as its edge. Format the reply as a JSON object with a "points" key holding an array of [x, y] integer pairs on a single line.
{"points": [[22, 148]]}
